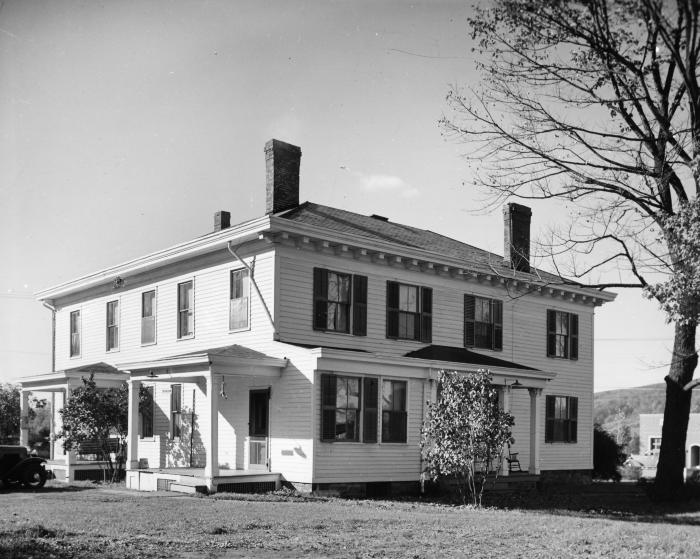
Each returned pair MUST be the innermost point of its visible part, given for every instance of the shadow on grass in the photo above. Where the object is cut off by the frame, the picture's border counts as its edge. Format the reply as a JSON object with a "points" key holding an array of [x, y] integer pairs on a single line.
{"points": [[49, 488], [606, 501]]}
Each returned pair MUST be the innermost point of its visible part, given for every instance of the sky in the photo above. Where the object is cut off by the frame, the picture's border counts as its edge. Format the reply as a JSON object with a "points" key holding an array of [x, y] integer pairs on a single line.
{"points": [[124, 126]]}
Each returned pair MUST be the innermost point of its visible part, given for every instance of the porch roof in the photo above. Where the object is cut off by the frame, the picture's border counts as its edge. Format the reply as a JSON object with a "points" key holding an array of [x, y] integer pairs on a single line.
{"points": [[226, 356], [59, 379], [462, 355]]}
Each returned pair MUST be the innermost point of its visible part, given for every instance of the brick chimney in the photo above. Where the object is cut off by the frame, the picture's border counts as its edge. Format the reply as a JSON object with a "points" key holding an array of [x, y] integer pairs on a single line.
{"points": [[282, 175], [516, 251], [222, 220]]}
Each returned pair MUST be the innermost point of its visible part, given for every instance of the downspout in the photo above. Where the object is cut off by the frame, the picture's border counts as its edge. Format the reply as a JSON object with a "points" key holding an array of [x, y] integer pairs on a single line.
{"points": [[53, 334], [275, 334]]}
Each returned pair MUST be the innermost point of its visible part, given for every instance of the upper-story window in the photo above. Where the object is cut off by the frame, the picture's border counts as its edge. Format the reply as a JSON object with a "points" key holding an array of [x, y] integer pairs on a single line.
{"points": [[483, 323], [239, 302], [561, 419], [75, 334], [340, 302], [148, 317], [112, 325], [409, 311], [185, 309], [562, 334]]}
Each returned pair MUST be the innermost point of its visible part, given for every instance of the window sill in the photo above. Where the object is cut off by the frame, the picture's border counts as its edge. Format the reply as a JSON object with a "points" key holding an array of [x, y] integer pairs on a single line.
{"points": [[489, 349], [148, 344], [113, 350], [407, 340], [561, 442], [337, 332], [237, 330], [182, 338], [75, 356]]}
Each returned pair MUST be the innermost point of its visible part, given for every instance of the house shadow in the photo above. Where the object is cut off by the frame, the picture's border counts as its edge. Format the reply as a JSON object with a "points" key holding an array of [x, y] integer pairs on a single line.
{"points": [[621, 502], [186, 451]]}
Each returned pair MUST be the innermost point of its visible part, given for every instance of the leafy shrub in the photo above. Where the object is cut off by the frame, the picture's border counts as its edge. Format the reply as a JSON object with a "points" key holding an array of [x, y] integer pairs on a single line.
{"points": [[607, 455]]}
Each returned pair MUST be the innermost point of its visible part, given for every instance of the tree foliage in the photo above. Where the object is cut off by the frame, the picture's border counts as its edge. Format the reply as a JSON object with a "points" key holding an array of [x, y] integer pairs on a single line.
{"points": [[97, 417], [9, 412], [464, 433], [596, 103], [607, 454]]}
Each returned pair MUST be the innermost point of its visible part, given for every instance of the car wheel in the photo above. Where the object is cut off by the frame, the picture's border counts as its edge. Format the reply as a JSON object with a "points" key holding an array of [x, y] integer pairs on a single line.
{"points": [[34, 477]]}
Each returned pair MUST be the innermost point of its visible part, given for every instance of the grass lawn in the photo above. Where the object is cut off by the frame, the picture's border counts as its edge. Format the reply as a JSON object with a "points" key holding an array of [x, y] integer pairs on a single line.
{"points": [[110, 522]]}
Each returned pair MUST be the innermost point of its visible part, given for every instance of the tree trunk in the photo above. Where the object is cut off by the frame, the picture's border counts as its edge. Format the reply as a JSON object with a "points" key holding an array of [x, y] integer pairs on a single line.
{"points": [[669, 472]]}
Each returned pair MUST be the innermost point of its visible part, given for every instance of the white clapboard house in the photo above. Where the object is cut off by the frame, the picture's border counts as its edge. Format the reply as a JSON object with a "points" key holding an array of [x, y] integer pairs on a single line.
{"points": [[301, 347]]}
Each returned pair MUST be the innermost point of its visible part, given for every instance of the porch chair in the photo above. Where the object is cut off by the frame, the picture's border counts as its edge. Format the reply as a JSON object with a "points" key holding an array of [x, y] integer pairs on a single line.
{"points": [[513, 461]]}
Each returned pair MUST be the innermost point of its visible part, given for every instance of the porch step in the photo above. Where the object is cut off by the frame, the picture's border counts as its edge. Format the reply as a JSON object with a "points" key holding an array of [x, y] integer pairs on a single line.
{"points": [[190, 489]]}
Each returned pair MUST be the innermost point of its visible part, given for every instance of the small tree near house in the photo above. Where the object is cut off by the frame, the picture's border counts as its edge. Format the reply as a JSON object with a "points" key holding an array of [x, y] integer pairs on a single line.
{"points": [[96, 419], [464, 433]]}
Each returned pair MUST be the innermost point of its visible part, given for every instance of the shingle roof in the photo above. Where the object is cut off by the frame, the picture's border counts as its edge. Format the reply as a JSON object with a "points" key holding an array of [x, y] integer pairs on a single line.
{"points": [[238, 351], [377, 229], [461, 355]]}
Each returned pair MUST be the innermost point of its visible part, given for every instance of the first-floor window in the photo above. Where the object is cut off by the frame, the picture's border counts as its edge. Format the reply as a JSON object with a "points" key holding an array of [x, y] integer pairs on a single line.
{"points": [[112, 325], [394, 416], [350, 408], [146, 409], [75, 333], [176, 411], [561, 419]]}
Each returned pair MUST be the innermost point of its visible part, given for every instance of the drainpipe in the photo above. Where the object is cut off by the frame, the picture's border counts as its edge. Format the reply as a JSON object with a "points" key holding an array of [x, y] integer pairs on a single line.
{"points": [[53, 334], [275, 334]]}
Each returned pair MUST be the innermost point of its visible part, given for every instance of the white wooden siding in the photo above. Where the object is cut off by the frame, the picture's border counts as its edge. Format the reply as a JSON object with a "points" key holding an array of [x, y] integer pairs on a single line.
{"points": [[524, 338], [211, 314]]}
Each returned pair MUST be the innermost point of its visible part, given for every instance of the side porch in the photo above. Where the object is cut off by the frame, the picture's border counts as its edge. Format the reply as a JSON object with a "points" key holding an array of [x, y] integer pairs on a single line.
{"points": [[200, 421]]}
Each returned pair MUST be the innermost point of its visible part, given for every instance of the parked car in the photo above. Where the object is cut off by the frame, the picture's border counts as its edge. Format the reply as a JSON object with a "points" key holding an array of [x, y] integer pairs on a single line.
{"points": [[17, 465]]}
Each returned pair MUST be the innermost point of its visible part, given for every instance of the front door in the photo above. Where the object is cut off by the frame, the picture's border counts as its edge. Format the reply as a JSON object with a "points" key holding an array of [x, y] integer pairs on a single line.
{"points": [[258, 429]]}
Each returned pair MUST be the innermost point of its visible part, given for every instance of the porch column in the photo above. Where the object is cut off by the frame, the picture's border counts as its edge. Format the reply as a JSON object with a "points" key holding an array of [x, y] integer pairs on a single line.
{"points": [[24, 417], [211, 469], [132, 448], [52, 426], [535, 434], [505, 403], [71, 455]]}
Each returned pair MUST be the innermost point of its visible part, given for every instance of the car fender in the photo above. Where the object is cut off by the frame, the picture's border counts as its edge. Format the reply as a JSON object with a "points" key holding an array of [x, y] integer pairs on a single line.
{"points": [[18, 468]]}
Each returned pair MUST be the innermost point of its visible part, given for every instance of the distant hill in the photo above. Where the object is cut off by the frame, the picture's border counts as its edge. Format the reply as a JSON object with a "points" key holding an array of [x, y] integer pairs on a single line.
{"points": [[618, 410]]}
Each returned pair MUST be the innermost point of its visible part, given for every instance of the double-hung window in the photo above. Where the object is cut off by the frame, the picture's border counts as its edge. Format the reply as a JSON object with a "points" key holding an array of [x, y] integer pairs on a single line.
{"points": [[394, 416], [483, 323], [148, 317], [112, 325], [409, 312], [175, 411], [340, 302], [562, 334], [146, 407], [185, 309], [75, 334], [561, 419], [655, 445], [350, 406], [239, 300]]}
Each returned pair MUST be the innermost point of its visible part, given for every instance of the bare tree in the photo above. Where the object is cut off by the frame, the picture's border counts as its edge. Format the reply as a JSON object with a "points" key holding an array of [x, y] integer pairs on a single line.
{"points": [[596, 103]]}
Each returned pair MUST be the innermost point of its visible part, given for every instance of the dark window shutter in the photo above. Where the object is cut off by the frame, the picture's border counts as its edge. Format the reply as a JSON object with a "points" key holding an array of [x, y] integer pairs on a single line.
{"points": [[469, 309], [359, 305], [551, 333], [549, 419], [320, 299], [497, 325], [392, 309], [573, 333], [328, 397], [573, 419], [426, 315], [370, 402]]}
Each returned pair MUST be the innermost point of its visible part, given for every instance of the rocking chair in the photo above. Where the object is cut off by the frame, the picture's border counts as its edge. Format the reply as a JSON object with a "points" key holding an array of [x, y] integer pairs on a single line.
{"points": [[513, 461]]}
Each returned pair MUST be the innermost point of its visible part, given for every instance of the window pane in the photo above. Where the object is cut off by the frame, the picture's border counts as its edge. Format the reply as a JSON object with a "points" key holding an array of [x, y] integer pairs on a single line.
{"points": [[341, 399], [408, 298], [344, 288], [354, 393], [407, 325], [148, 299]]}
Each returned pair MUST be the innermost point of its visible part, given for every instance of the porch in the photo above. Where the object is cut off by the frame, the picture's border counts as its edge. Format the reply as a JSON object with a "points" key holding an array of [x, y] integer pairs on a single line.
{"points": [[196, 480]]}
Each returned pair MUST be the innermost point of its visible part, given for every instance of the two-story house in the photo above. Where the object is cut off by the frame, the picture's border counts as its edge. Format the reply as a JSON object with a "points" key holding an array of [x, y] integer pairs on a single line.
{"points": [[303, 346]]}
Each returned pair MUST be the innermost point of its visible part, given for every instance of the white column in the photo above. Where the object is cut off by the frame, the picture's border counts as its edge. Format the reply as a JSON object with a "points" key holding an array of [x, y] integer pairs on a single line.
{"points": [[52, 426], [211, 470], [505, 402], [71, 455], [132, 458], [535, 434], [24, 418]]}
